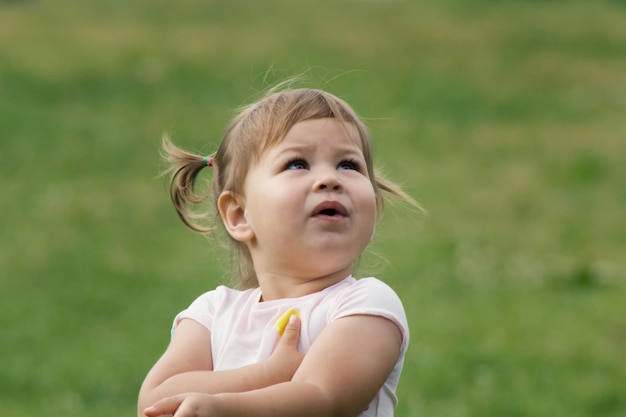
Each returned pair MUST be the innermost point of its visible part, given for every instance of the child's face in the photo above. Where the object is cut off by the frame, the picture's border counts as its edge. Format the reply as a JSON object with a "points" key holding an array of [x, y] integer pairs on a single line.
{"points": [[309, 201]]}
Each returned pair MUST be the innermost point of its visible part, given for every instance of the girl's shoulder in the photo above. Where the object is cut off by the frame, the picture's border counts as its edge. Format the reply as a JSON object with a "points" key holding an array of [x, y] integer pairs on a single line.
{"points": [[369, 288], [366, 295], [223, 294], [214, 302]]}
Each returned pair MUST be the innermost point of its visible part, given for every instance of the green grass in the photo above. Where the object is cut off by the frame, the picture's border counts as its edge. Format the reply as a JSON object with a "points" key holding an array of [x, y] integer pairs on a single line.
{"points": [[505, 120]]}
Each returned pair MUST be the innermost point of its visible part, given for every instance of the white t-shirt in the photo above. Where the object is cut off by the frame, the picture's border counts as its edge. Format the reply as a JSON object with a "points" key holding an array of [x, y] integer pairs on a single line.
{"points": [[242, 328]]}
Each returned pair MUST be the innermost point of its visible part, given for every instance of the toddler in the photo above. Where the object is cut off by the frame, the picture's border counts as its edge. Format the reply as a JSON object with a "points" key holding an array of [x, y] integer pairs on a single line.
{"points": [[296, 191]]}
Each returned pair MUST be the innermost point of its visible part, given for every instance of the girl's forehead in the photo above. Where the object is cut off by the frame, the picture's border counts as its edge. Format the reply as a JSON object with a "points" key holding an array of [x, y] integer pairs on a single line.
{"points": [[326, 130]]}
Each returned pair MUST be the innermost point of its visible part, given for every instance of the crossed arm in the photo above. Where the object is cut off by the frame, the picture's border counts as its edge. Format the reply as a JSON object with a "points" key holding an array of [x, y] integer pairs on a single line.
{"points": [[340, 374]]}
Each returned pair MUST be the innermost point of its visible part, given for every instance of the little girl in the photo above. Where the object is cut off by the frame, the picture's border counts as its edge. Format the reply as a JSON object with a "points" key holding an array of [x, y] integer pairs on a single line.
{"points": [[296, 191]]}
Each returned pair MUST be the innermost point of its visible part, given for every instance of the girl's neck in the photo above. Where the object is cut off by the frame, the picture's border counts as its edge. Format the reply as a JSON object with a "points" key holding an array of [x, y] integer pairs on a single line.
{"points": [[277, 286]]}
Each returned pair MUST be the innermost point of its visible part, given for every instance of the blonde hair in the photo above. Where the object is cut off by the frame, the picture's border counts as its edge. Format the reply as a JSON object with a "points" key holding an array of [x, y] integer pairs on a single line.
{"points": [[256, 128]]}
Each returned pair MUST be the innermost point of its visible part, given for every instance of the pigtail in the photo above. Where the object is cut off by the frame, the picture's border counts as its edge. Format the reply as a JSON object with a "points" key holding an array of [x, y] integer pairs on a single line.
{"points": [[395, 190], [183, 169]]}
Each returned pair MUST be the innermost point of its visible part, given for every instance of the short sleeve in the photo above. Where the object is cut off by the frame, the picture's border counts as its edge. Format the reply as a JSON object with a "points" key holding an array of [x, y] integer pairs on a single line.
{"points": [[370, 296], [201, 310]]}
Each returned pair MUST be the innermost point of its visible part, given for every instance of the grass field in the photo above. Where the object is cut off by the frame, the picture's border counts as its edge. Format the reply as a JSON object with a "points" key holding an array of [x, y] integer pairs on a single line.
{"points": [[505, 119]]}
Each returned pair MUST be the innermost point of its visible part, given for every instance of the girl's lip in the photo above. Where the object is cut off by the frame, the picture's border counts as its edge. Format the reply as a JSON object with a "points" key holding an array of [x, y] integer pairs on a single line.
{"points": [[332, 207]]}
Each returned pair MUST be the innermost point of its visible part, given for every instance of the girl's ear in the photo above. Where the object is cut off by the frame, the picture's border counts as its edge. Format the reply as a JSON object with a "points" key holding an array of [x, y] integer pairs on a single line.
{"points": [[232, 213]]}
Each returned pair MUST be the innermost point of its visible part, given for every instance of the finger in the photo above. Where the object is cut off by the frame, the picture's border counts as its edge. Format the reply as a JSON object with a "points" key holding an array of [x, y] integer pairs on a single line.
{"points": [[282, 321], [292, 331], [166, 406], [189, 408]]}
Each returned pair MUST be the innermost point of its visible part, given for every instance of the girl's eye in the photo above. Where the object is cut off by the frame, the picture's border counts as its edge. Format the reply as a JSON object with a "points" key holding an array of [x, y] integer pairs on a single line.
{"points": [[297, 164], [351, 164]]}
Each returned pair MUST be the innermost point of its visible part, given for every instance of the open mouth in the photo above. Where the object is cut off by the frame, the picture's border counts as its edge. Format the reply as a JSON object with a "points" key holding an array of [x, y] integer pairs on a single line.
{"points": [[330, 209]]}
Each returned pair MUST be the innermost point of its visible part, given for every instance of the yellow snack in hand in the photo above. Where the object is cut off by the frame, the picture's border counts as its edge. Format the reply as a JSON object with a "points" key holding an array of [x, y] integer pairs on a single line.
{"points": [[281, 323]]}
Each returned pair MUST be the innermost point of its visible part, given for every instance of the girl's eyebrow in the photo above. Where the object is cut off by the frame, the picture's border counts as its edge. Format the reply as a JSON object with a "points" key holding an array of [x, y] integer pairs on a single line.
{"points": [[296, 149], [306, 149]]}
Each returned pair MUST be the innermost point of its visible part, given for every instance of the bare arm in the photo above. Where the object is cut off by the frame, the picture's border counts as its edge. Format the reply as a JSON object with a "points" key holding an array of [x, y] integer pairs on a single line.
{"points": [[187, 366], [340, 375]]}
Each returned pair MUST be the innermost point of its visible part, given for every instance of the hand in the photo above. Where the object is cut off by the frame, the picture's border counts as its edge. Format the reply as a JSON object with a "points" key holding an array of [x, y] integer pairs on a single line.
{"points": [[285, 359], [185, 405]]}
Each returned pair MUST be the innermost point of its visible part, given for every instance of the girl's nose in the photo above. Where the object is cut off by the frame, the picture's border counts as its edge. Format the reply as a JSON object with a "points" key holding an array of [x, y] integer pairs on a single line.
{"points": [[328, 182]]}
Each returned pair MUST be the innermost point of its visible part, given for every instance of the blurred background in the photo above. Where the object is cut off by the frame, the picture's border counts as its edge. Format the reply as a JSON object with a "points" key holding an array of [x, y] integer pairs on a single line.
{"points": [[504, 119]]}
